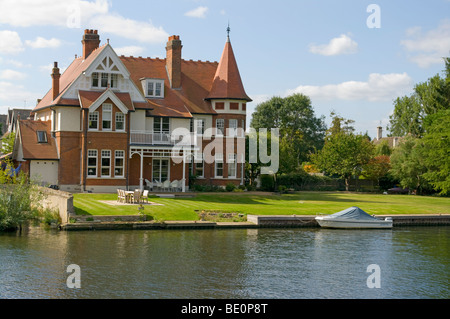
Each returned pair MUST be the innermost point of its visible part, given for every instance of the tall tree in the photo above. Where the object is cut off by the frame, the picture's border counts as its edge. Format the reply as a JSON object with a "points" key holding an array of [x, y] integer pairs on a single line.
{"points": [[408, 165], [436, 151], [344, 154], [428, 98], [301, 132]]}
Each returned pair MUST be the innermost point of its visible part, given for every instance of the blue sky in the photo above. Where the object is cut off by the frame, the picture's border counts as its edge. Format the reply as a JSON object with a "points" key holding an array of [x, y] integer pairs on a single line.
{"points": [[324, 49]]}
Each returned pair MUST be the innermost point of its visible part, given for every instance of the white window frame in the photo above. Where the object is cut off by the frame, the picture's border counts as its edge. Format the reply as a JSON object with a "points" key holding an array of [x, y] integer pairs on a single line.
{"points": [[92, 154], [114, 80], [198, 159], [107, 109], [199, 128], [119, 154], [231, 164], [232, 128], [120, 114], [220, 129], [96, 114], [156, 85], [105, 154], [218, 161]]}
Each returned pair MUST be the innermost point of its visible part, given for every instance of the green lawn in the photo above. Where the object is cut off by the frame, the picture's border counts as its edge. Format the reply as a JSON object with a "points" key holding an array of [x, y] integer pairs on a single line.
{"points": [[301, 203]]}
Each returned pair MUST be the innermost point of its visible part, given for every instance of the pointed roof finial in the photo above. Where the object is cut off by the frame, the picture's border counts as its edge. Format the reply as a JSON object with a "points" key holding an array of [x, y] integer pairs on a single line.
{"points": [[228, 32]]}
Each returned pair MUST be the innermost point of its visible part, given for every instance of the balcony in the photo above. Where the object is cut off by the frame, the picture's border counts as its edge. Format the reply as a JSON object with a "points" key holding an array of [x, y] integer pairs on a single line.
{"points": [[161, 138]]}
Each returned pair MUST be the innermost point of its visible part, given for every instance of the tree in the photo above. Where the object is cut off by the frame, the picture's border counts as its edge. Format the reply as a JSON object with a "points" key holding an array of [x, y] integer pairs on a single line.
{"points": [[436, 151], [19, 199], [408, 164], [301, 132], [344, 154], [428, 98], [377, 167]]}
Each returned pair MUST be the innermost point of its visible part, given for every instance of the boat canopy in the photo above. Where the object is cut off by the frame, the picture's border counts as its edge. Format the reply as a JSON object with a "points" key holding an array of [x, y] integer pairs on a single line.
{"points": [[352, 213]]}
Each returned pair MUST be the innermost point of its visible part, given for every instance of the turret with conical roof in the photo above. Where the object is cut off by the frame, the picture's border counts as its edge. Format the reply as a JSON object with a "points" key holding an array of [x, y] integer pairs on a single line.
{"points": [[227, 83]]}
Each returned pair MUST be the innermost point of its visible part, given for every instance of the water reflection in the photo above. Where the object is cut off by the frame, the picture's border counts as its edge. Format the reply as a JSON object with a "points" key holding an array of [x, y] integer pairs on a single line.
{"points": [[240, 263]]}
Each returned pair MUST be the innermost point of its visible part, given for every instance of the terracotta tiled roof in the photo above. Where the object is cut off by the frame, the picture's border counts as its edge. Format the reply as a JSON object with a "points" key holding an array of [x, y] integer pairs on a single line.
{"points": [[70, 74], [30, 146], [196, 79], [227, 82]]}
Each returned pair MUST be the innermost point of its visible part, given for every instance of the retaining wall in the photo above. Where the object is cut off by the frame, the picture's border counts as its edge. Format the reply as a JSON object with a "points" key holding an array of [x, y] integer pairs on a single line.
{"points": [[60, 201]]}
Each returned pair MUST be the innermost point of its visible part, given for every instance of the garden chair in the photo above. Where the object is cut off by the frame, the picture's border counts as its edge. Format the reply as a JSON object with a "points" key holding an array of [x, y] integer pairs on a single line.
{"points": [[174, 186], [166, 185], [149, 184], [136, 196], [158, 184], [144, 196]]}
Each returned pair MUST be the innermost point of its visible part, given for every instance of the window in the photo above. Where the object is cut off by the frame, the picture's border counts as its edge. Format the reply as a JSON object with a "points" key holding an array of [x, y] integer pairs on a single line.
{"points": [[220, 105], [232, 127], [200, 126], [106, 164], [160, 171], [41, 136], [119, 160], [114, 81], [198, 162], [120, 121], [92, 163], [93, 121], [106, 116], [95, 79], [104, 82], [161, 130], [155, 88], [244, 106], [231, 165], [220, 126], [219, 165]]}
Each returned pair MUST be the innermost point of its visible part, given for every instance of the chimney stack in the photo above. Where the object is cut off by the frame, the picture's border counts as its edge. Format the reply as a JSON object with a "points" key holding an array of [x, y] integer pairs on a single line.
{"points": [[173, 61], [379, 133], [91, 41], [55, 80]]}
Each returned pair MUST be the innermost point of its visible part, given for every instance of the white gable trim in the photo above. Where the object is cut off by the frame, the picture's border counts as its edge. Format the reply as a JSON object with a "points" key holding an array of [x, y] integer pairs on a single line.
{"points": [[102, 98], [108, 51]]}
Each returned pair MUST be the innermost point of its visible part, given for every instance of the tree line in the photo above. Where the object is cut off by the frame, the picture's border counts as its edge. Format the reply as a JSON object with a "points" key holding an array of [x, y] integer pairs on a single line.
{"points": [[419, 163]]}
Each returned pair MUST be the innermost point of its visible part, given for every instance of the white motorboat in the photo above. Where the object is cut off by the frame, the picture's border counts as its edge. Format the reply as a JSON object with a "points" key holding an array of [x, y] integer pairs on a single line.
{"points": [[353, 217]]}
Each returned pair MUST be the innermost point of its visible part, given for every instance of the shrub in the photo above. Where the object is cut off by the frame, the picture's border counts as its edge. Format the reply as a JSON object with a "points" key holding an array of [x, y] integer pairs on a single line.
{"points": [[267, 183], [230, 187]]}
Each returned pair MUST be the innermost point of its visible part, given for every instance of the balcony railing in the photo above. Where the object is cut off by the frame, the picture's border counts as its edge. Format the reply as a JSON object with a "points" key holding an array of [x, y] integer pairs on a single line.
{"points": [[160, 138]]}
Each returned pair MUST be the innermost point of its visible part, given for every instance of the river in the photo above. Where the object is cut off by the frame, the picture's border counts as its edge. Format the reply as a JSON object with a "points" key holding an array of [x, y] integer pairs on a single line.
{"points": [[308, 263]]}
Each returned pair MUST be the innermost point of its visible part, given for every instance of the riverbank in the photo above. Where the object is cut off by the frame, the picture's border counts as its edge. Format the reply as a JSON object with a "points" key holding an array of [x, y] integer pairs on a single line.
{"points": [[253, 221]]}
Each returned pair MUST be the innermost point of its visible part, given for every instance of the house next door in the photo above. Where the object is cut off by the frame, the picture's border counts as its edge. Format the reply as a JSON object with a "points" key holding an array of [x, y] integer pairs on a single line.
{"points": [[160, 170]]}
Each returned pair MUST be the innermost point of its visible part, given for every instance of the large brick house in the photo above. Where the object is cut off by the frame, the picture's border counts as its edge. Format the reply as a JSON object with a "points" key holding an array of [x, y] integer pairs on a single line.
{"points": [[111, 121]]}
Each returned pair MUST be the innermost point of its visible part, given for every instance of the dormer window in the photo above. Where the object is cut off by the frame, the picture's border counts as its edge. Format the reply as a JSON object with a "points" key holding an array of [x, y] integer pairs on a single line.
{"points": [[41, 136], [153, 87]]}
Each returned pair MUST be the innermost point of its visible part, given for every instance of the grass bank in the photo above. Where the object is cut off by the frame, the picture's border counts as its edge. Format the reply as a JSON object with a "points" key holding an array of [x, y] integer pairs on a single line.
{"points": [[301, 203]]}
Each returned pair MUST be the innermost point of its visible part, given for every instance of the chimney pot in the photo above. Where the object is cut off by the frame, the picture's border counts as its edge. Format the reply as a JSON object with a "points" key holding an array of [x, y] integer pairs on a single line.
{"points": [[55, 80], [90, 41]]}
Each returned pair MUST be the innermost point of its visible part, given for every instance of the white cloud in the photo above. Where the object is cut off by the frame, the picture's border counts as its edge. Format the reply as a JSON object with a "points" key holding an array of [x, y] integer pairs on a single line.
{"points": [[26, 13], [427, 48], [10, 42], [12, 75], [131, 50], [199, 12], [137, 30], [15, 93], [378, 87], [41, 42], [78, 13], [340, 45]]}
